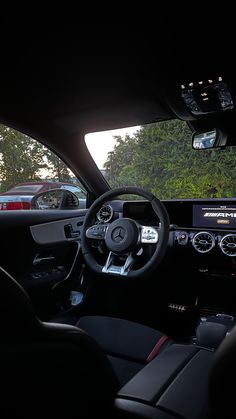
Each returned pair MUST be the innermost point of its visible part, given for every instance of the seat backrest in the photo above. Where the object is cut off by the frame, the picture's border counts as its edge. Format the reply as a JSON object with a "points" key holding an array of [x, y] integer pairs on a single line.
{"points": [[48, 369], [222, 379]]}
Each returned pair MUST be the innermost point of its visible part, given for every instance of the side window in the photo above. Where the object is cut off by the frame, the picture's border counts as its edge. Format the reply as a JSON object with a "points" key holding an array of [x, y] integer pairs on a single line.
{"points": [[28, 168]]}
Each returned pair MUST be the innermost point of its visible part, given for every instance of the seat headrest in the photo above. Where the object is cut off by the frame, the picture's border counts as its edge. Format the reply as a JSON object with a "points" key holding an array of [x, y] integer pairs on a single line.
{"points": [[17, 316]]}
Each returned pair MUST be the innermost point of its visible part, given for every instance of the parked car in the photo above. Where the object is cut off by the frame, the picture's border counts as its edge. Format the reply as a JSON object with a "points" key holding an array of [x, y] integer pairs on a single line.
{"points": [[19, 197]]}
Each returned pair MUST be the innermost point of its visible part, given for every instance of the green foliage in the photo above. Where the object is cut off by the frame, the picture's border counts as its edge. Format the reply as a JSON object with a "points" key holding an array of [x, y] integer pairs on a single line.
{"points": [[57, 168], [159, 157], [23, 159], [20, 158]]}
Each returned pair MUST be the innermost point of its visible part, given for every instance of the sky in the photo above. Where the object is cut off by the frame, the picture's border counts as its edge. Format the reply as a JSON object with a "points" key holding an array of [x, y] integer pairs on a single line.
{"points": [[100, 143]]}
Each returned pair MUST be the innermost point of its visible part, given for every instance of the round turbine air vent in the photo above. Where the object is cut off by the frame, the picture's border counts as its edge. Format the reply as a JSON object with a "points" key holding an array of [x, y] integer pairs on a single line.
{"points": [[105, 214], [203, 242], [228, 245]]}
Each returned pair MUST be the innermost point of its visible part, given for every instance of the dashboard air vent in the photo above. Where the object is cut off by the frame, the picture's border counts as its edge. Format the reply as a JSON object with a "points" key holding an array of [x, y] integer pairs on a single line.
{"points": [[228, 245], [203, 242]]}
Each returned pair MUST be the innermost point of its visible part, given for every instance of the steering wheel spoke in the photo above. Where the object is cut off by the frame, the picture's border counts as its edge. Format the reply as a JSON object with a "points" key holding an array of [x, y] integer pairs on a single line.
{"points": [[149, 235], [96, 232], [110, 266]]}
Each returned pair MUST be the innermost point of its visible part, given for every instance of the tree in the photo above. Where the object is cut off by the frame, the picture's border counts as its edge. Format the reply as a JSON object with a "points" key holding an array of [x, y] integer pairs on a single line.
{"points": [[120, 158], [57, 168], [159, 157], [21, 158]]}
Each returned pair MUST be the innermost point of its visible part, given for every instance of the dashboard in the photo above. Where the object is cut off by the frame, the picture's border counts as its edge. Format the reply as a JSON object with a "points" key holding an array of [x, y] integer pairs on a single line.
{"points": [[201, 224], [217, 225]]}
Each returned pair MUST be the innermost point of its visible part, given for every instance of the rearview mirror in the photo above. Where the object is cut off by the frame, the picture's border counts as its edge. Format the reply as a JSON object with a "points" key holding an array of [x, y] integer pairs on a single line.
{"points": [[55, 199], [209, 139]]}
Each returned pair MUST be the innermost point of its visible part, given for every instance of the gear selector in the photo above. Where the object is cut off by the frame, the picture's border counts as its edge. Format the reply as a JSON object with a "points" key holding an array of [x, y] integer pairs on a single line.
{"points": [[212, 330]]}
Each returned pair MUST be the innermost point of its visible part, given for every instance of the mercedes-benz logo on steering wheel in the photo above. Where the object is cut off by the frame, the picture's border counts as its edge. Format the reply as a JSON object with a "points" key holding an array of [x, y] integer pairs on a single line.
{"points": [[118, 234]]}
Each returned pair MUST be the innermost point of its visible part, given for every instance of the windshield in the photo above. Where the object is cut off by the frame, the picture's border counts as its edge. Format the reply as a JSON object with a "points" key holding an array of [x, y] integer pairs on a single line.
{"points": [[159, 157]]}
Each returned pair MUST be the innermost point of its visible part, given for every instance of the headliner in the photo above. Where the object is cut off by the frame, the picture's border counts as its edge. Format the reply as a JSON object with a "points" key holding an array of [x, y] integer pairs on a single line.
{"points": [[63, 72]]}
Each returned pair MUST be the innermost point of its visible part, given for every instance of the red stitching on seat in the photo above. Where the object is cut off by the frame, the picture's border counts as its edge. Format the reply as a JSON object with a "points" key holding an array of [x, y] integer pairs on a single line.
{"points": [[155, 351]]}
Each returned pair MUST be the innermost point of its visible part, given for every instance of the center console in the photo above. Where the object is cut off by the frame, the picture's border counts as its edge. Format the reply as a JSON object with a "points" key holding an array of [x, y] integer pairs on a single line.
{"points": [[173, 385]]}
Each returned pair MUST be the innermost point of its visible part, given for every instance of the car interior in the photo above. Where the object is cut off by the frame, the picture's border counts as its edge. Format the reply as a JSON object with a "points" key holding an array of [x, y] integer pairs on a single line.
{"points": [[124, 307]]}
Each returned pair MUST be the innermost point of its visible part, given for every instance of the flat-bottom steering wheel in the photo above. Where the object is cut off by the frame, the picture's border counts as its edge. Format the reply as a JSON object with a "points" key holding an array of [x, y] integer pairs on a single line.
{"points": [[124, 238]]}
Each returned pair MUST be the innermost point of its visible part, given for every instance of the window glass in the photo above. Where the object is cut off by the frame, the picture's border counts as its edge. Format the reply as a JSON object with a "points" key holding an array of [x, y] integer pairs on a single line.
{"points": [[159, 157], [27, 168]]}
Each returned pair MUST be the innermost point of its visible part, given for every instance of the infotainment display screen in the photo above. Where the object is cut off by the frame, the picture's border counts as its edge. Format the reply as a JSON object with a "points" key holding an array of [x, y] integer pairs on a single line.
{"points": [[218, 216]]}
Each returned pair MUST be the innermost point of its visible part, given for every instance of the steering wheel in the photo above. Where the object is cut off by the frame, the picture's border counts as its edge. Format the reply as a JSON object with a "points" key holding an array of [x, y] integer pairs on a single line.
{"points": [[124, 237]]}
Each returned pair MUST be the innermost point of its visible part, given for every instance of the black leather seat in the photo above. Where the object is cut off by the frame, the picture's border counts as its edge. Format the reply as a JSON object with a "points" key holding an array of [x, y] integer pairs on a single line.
{"points": [[129, 346], [53, 370], [48, 370]]}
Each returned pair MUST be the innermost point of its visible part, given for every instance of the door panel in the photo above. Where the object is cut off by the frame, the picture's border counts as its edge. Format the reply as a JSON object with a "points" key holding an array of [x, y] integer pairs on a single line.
{"points": [[40, 249]]}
